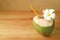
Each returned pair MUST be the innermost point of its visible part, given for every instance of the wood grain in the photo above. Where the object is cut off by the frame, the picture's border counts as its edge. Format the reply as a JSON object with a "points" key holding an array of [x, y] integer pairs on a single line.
{"points": [[18, 26]]}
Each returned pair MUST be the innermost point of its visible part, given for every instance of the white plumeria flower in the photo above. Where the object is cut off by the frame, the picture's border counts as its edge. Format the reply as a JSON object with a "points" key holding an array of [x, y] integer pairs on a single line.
{"points": [[48, 14]]}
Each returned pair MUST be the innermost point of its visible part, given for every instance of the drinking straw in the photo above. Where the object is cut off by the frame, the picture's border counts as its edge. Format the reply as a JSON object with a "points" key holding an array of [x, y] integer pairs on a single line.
{"points": [[33, 10]]}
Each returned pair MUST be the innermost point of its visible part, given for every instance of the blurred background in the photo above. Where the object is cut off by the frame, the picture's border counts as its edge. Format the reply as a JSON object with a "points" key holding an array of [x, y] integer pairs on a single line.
{"points": [[16, 19], [17, 5]]}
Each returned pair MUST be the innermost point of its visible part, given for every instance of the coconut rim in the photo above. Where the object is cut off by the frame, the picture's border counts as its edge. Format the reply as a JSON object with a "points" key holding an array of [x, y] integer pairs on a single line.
{"points": [[43, 26]]}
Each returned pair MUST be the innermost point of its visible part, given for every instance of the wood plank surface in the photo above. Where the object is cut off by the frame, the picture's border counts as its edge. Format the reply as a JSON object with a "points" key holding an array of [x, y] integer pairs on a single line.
{"points": [[18, 26]]}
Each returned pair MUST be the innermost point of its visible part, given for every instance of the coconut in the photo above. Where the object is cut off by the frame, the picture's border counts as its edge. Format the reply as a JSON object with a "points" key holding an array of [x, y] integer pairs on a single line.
{"points": [[43, 26]]}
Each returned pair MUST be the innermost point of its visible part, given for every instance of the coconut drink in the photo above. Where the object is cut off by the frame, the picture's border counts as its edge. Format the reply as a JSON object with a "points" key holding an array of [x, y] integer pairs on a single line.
{"points": [[45, 23]]}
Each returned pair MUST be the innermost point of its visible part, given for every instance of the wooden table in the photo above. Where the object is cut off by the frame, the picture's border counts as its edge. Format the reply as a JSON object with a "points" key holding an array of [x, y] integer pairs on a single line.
{"points": [[18, 26]]}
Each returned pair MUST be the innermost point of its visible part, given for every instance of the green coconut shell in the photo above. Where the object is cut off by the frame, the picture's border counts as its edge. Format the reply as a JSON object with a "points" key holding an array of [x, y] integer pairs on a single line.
{"points": [[46, 31]]}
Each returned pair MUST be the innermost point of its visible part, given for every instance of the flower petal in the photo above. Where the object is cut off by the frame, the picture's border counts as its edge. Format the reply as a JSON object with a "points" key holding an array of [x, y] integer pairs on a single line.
{"points": [[53, 16], [51, 10], [45, 11], [47, 18], [44, 15]]}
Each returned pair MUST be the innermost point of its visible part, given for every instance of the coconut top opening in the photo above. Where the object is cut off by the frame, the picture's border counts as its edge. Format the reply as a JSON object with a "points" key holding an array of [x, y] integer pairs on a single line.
{"points": [[42, 22]]}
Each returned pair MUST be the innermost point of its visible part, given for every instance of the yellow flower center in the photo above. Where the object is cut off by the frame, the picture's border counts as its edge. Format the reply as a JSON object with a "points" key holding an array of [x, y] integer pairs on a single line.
{"points": [[48, 14]]}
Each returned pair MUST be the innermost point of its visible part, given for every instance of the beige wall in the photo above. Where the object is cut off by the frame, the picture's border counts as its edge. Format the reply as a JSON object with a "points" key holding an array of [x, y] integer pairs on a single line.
{"points": [[24, 4]]}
